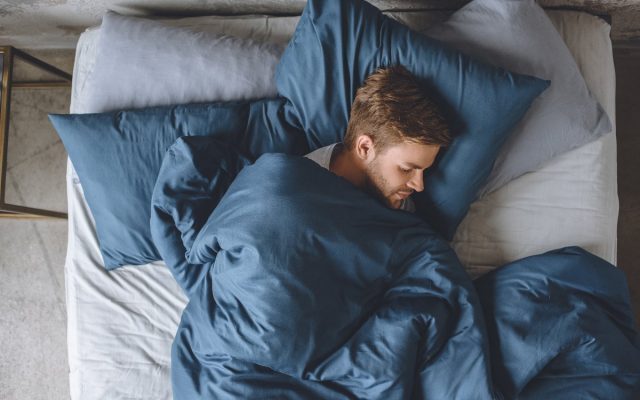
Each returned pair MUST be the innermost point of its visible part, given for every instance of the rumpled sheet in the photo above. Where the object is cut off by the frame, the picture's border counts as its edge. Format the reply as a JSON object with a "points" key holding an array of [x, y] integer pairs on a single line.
{"points": [[301, 286]]}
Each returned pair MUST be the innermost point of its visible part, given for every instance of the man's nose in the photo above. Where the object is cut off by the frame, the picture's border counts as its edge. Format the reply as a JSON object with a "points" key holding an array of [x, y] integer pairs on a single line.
{"points": [[417, 182]]}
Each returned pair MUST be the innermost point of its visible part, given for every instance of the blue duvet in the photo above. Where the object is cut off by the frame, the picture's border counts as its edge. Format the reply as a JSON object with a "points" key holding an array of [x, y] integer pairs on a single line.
{"points": [[301, 286]]}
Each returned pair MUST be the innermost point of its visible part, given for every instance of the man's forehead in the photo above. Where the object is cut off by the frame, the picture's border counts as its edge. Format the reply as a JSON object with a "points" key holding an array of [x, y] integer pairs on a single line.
{"points": [[413, 154]]}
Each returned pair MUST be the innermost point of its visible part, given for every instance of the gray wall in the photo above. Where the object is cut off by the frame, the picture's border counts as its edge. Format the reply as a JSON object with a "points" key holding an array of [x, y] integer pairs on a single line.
{"points": [[40, 24]]}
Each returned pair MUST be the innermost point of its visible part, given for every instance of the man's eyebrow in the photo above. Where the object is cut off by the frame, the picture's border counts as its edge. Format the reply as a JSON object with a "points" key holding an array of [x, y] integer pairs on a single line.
{"points": [[412, 165]]}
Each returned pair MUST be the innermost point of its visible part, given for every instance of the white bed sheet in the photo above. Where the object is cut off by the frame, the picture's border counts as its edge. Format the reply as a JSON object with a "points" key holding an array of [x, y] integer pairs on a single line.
{"points": [[121, 323]]}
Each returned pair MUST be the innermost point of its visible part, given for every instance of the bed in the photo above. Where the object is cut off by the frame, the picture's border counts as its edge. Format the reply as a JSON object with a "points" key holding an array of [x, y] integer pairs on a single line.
{"points": [[121, 323]]}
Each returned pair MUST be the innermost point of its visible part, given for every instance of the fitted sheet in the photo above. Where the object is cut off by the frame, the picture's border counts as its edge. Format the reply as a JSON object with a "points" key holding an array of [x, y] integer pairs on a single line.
{"points": [[121, 323]]}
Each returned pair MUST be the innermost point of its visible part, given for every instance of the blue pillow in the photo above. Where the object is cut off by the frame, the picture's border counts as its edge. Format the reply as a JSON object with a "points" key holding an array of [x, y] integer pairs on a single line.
{"points": [[118, 156], [337, 44]]}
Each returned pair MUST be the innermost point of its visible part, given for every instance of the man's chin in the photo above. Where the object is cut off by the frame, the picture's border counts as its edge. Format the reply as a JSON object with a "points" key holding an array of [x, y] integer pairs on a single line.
{"points": [[395, 204]]}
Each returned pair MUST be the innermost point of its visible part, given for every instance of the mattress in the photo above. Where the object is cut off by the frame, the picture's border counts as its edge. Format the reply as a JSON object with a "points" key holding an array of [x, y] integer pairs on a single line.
{"points": [[121, 323]]}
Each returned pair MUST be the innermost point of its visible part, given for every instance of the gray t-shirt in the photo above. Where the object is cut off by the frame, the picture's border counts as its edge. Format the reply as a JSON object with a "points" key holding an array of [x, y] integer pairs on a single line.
{"points": [[322, 157]]}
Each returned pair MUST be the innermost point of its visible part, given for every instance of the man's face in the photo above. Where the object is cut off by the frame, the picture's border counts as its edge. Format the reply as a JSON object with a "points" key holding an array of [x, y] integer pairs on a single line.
{"points": [[396, 172]]}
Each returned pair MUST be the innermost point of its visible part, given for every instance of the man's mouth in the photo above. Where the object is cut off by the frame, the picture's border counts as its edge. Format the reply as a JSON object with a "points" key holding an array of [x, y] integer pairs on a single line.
{"points": [[404, 194]]}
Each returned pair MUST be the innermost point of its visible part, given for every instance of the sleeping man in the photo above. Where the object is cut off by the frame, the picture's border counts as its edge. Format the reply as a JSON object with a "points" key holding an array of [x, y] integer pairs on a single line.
{"points": [[302, 285], [394, 133]]}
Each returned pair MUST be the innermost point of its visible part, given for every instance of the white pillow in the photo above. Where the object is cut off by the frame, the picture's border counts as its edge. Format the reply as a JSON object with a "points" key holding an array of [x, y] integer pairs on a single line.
{"points": [[518, 36], [142, 63]]}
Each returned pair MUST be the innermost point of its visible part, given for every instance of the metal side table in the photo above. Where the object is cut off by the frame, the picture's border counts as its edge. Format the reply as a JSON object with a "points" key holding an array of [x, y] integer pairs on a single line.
{"points": [[8, 55]]}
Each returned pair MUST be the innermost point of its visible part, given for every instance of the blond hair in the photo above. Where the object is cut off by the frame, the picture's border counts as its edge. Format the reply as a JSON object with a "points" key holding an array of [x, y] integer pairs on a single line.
{"points": [[391, 107]]}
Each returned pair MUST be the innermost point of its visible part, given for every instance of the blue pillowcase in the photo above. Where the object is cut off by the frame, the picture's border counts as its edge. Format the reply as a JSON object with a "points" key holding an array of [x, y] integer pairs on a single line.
{"points": [[118, 156], [337, 44]]}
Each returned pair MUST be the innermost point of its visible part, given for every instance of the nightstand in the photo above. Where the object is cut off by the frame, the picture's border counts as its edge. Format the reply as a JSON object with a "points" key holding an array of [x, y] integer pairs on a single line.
{"points": [[8, 55]]}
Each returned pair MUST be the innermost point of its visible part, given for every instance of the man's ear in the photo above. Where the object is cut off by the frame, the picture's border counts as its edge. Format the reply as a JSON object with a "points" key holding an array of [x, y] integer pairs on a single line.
{"points": [[364, 148]]}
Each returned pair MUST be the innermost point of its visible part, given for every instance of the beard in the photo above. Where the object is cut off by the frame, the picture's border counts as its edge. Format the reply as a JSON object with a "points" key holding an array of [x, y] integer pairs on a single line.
{"points": [[377, 186]]}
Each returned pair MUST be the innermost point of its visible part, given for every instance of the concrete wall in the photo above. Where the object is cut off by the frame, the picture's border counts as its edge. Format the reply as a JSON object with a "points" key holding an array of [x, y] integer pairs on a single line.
{"points": [[40, 24]]}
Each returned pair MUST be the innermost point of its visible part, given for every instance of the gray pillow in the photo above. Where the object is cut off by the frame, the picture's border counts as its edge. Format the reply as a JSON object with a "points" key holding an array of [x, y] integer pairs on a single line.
{"points": [[142, 63], [518, 36]]}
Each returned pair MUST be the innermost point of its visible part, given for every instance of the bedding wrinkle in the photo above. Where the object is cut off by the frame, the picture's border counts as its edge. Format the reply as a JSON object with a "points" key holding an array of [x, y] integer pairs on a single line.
{"points": [[462, 72]]}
